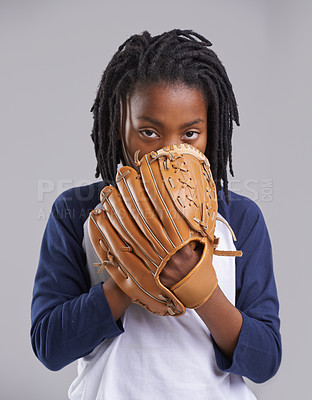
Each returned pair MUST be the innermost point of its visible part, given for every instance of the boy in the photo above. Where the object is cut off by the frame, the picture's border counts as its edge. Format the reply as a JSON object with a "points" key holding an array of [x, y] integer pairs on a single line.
{"points": [[158, 91]]}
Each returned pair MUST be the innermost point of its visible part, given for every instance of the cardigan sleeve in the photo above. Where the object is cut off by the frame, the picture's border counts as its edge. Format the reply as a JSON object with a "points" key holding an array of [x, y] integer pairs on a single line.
{"points": [[258, 352], [69, 319]]}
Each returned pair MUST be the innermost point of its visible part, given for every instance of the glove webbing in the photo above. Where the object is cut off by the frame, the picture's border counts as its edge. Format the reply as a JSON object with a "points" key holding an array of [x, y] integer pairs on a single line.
{"points": [[168, 163]]}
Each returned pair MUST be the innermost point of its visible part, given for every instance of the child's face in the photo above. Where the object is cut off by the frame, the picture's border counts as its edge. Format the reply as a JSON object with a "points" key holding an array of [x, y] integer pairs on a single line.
{"points": [[156, 116]]}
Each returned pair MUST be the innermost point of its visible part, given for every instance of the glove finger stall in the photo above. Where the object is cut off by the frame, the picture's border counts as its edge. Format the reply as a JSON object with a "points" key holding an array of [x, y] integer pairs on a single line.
{"points": [[175, 226], [139, 205], [127, 228]]}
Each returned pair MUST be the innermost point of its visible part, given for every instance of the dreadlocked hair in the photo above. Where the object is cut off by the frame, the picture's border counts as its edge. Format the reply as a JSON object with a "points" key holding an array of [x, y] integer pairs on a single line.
{"points": [[174, 57]]}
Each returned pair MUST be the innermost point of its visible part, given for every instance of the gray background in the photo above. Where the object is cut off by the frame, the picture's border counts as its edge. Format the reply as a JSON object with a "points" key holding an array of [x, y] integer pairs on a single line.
{"points": [[52, 57]]}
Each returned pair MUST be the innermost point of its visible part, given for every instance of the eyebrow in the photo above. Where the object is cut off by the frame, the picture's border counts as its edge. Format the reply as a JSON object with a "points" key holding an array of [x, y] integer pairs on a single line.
{"points": [[156, 122]]}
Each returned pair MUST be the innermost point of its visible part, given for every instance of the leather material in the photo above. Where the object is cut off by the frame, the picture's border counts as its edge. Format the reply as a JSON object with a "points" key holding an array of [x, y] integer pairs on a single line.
{"points": [[196, 288], [171, 203]]}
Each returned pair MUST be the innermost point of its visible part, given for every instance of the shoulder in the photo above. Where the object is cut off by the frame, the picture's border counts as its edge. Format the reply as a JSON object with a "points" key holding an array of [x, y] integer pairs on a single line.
{"points": [[243, 214], [72, 207], [78, 198], [238, 204]]}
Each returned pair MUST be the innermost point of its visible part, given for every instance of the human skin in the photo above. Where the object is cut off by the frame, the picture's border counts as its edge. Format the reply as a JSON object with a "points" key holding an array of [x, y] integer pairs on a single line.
{"points": [[153, 117]]}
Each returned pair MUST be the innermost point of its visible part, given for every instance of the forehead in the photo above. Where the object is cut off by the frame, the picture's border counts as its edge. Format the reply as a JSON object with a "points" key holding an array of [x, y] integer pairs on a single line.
{"points": [[164, 100]]}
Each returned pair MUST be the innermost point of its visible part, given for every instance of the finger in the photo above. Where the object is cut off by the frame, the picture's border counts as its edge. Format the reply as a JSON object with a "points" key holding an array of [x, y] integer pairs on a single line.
{"points": [[179, 265], [199, 284]]}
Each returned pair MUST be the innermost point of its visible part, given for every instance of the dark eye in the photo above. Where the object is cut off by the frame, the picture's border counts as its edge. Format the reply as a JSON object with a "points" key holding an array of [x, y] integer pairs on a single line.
{"points": [[148, 133], [191, 135]]}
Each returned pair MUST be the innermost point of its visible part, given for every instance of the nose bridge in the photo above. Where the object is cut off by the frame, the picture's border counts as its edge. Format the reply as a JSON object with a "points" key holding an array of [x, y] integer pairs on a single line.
{"points": [[171, 138]]}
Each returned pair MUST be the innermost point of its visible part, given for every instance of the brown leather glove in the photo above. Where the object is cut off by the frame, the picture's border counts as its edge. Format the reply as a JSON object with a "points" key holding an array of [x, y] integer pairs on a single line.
{"points": [[171, 203]]}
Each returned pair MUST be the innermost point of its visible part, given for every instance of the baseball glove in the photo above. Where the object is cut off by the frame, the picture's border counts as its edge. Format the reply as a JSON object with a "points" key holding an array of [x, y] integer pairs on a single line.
{"points": [[170, 203]]}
